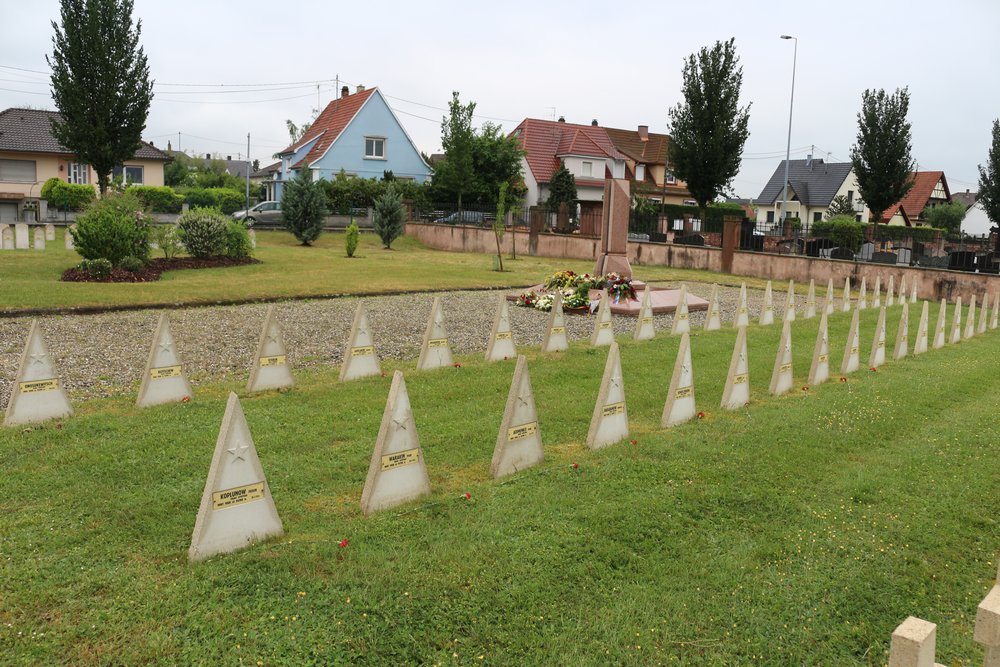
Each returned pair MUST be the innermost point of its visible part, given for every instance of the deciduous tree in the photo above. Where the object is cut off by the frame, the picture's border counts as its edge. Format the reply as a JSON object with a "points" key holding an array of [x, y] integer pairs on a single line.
{"points": [[455, 173], [989, 178], [946, 216]]}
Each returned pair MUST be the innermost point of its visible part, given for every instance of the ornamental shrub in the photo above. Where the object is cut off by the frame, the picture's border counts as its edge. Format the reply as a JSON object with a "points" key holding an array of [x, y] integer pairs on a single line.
{"points": [[167, 239], [303, 206], [841, 229], [113, 228], [224, 199], [67, 196], [98, 269], [158, 199], [351, 236], [132, 264], [238, 244], [388, 217], [203, 232]]}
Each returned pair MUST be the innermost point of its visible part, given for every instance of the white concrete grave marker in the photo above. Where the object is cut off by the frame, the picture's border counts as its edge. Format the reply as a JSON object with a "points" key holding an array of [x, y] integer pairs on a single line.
{"points": [[3, 228], [877, 356], [863, 295], [397, 473], [890, 296], [852, 350], [270, 369], [644, 329], [236, 507], [163, 381], [987, 629], [913, 291], [781, 376], [767, 309], [983, 310], [713, 318], [519, 442], [501, 343], [682, 318], [604, 333], [737, 391], [39, 238], [37, 393], [996, 311], [680, 406], [920, 344], [829, 297], [970, 318], [913, 644], [742, 318], [790, 302], [956, 322], [902, 290], [939, 330], [360, 355], [253, 238], [877, 294], [21, 236], [68, 242], [819, 370], [50, 232], [847, 295], [555, 331], [811, 300], [6, 238], [609, 423], [435, 352], [902, 347]]}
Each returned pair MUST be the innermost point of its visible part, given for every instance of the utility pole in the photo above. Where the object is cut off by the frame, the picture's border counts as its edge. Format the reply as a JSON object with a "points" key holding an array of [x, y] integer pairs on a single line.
{"points": [[249, 164]]}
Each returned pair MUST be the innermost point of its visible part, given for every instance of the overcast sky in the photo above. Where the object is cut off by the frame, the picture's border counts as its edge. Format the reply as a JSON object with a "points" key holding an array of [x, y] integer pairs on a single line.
{"points": [[618, 62]]}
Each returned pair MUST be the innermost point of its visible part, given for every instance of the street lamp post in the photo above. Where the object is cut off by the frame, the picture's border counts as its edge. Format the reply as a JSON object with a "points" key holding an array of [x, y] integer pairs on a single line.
{"points": [[788, 146]]}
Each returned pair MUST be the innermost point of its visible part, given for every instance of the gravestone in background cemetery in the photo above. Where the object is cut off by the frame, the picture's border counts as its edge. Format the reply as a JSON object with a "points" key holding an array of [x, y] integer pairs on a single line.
{"points": [[37, 393], [604, 333], [236, 506], [939, 331], [877, 294], [847, 295], [996, 310], [981, 327], [644, 329], [713, 318], [863, 295], [50, 232], [501, 343], [790, 303], [609, 423], [890, 293], [901, 348], [877, 356], [555, 330], [842, 253], [39, 239], [828, 306], [737, 391], [7, 238], [270, 369], [970, 318], [921, 342], [397, 472], [903, 257], [901, 293], [819, 370], [884, 258], [360, 355], [781, 376], [852, 350], [767, 309], [682, 317], [680, 404], [519, 442], [811, 300], [68, 242], [253, 238], [866, 251], [913, 291], [163, 380], [742, 318], [435, 352], [21, 236]]}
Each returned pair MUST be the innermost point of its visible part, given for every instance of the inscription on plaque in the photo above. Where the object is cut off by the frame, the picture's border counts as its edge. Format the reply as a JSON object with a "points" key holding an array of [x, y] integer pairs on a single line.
{"points": [[683, 392], [39, 385], [740, 379], [237, 495], [277, 360], [823, 358], [557, 330], [437, 342], [784, 368], [400, 459], [522, 431], [604, 325], [363, 351], [503, 335], [613, 409], [165, 372]]}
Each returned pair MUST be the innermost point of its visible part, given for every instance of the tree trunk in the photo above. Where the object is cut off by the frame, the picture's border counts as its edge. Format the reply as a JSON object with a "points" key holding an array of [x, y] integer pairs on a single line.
{"points": [[499, 252], [102, 183]]}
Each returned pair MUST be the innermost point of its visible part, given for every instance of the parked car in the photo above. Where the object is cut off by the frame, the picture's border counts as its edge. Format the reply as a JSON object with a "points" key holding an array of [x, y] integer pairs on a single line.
{"points": [[266, 212], [463, 218]]}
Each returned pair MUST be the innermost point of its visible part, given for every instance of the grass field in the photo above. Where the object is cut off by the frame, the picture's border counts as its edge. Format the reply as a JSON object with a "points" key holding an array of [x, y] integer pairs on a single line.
{"points": [[30, 279], [800, 530]]}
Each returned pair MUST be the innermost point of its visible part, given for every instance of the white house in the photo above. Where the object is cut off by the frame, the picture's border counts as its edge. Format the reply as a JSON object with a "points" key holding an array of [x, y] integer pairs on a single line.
{"points": [[812, 185]]}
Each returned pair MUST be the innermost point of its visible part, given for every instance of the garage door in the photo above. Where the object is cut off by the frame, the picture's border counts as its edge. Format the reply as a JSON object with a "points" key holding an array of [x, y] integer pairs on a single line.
{"points": [[8, 212]]}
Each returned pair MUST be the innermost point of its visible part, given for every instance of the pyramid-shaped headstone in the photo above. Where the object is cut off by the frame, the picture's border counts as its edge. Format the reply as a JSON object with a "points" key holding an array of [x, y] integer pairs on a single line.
{"points": [[397, 473], [37, 393], [360, 355], [956, 322], [435, 352], [996, 311], [981, 327], [501, 343], [236, 507], [164, 380], [939, 330], [790, 302], [811, 300], [877, 356], [829, 297], [682, 318], [852, 350], [713, 317], [863, 295], [742, 318], [877, 293], [902, 290], [846, 306], [819, 370], [555, 330], [913, 291], [270, 369], [782, 377], [604, 333], [680, 406], [970, 318], [644, 329], [519, 442], [737, 391], [921, 343], [609, 423], [890, 292], [767, 309], [902, 346]]}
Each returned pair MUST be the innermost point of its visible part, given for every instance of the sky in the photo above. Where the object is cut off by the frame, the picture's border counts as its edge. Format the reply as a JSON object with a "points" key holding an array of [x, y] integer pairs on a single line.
{"points": [[619, 63]]}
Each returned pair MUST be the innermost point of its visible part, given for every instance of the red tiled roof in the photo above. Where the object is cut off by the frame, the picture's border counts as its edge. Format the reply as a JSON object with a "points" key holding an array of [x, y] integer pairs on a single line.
{"points": [[892, 210], [329, 124], [916, 199], [651, 151], [545, 140]]}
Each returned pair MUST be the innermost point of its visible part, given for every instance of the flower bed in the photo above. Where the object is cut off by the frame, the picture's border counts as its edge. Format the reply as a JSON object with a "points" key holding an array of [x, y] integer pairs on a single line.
{"points": [[151, 272], [575, 289]]}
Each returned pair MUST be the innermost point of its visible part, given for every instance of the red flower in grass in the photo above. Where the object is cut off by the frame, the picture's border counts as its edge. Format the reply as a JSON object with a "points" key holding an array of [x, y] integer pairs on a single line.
{"points": [[383, 373], [873, 369], [805, 388], [576, 466], [631, 442], [843, 379], [468, 496], [186, 399], [343, 543], [458, 365], [701, 415]]}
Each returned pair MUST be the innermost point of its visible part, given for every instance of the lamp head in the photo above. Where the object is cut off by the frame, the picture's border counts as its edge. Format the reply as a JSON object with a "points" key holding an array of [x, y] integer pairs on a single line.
{"points": [[787, 37]]}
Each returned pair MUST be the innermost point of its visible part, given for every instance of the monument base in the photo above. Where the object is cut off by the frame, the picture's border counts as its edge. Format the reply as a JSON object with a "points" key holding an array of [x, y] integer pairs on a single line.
{"points": [[613, 263]]}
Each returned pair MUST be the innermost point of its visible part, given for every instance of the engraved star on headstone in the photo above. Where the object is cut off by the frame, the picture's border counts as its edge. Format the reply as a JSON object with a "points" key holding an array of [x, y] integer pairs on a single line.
{"points": [[166, 344], [616, 381], [39, 358], [238, 450], [401, 423], [272, 338], [523, 400]]}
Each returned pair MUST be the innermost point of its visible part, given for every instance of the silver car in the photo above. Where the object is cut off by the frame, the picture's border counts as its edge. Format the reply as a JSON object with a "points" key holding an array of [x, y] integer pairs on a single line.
{"points": [[266, 212]]}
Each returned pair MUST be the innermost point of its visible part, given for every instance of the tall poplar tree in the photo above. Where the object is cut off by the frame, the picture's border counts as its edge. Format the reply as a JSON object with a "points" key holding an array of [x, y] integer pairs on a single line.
{"points": [[456, 173], [100, 83], [989, 179]]}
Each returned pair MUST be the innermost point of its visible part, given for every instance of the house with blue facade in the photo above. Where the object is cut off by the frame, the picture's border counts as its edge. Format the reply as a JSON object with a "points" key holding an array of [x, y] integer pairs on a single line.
{"points": [[358, 134]]}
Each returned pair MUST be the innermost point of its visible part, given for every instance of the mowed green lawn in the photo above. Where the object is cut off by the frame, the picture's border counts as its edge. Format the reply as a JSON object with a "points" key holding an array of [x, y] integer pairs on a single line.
{"points": [[800, 530], [29, 279]]}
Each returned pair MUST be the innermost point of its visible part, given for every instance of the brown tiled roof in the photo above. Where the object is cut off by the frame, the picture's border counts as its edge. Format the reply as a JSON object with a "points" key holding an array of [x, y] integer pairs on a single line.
{"points": [[916, 199], [30, 131], [652, 151], [967, 198], [328, 125], [545, 140], [264, 172]]}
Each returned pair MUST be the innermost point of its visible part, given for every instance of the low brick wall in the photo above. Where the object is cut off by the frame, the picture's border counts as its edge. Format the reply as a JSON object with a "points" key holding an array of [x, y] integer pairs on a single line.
{"points": [[931, 283]]}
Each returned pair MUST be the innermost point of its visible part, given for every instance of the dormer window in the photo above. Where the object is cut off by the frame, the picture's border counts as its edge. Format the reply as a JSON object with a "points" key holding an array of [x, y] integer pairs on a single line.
{"points": [[640, 172]]}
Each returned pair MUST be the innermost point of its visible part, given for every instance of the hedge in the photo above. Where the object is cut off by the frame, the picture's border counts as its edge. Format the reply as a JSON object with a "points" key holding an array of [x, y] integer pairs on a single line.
{"points": [[158, 199], [67, 196], [224, 199]]}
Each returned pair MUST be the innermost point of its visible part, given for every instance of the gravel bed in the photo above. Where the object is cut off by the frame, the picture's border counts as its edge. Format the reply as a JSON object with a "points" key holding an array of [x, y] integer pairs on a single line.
{"points": [[105, 354]]}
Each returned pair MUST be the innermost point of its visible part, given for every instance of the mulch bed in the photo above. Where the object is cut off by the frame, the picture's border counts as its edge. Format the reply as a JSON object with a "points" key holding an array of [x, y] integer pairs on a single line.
{"points": [[151, 272]]}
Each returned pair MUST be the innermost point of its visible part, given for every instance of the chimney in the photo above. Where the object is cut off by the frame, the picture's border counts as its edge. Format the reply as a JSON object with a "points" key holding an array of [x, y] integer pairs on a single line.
{"points": [[345, 91], [562, 119], [229, 158], [208, 156], [644, 132], [593, 123], [168, 145], [809, 160], [361, 88]]}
